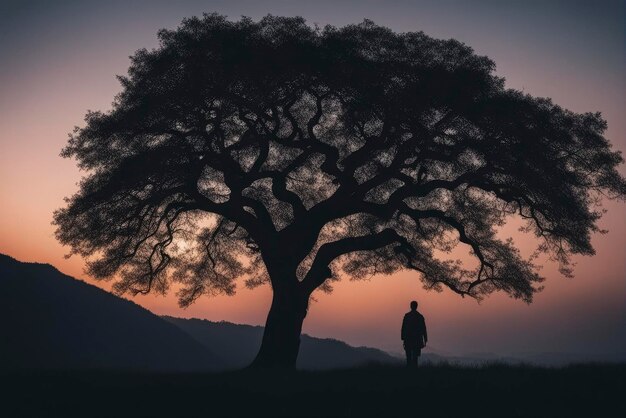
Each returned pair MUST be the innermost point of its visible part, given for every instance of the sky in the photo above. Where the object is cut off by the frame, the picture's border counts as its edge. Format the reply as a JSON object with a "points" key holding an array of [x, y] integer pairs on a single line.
{"points": [[59, 59]]}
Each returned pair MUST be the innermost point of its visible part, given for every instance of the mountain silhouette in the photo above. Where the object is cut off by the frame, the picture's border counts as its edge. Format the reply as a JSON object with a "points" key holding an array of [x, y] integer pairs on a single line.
{"points": [[50, 320], [238, 344], [53, 321]]}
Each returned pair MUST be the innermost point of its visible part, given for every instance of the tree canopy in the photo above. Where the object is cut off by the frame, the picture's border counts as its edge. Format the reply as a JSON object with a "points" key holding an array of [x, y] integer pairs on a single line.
{"points": [[294, 155]]}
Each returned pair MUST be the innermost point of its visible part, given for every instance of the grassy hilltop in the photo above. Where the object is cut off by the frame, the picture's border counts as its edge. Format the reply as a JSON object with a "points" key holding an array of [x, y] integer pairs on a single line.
{"points": [[489, 391]]}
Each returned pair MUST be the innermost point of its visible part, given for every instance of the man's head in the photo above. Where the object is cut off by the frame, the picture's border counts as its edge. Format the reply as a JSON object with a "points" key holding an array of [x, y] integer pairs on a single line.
{"points": [[413, 305]]}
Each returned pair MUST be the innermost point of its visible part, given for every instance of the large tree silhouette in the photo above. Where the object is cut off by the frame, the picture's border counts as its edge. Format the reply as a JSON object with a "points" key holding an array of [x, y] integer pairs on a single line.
{"points": [[285, 154]]}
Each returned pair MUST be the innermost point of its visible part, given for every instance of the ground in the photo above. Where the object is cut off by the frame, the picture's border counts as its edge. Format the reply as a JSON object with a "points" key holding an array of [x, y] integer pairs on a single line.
{"points": [[444, 390]]}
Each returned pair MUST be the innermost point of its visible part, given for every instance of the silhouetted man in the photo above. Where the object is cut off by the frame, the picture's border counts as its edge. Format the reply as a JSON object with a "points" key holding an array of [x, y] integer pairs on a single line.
{"points": [[414, 335]]}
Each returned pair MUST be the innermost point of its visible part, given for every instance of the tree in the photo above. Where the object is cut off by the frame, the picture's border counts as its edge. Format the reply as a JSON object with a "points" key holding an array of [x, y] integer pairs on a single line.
{"points": [[281, 153]]}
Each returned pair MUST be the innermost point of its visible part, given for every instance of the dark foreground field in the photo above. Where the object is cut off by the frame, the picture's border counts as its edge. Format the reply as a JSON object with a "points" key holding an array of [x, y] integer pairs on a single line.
{"points": [[502, 391]]}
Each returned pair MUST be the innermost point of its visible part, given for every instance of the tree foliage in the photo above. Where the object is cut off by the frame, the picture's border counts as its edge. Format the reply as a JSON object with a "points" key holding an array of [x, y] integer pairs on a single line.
{"points": [[278, 152]]}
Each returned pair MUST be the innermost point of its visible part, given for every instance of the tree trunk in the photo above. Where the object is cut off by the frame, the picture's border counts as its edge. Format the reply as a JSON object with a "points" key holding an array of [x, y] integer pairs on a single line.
{"points": [[281, 338]]}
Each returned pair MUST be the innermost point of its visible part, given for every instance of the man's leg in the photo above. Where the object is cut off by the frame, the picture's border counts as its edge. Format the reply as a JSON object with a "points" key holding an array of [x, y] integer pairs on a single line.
{"points": [[410, 354], [413, 357]]}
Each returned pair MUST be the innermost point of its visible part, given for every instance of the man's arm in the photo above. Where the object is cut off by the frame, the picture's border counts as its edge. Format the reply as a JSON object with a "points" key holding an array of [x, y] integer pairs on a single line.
{"points": [[403, 331], [425, 333]]}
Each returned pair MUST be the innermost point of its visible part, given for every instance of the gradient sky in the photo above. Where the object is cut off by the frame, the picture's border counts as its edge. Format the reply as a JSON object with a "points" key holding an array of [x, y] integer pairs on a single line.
{"points": [[59, 60]]}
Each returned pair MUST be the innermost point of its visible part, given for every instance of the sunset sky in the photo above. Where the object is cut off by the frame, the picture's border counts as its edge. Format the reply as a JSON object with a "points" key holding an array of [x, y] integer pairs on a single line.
{"points": [[59, 60]]}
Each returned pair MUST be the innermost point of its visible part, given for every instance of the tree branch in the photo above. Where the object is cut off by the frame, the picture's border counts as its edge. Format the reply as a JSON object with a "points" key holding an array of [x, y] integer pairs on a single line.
{"points": [[328, 252]]}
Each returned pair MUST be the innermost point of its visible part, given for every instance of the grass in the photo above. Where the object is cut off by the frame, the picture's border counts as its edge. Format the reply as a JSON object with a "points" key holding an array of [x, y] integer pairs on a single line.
{"points": [[431, 391]]}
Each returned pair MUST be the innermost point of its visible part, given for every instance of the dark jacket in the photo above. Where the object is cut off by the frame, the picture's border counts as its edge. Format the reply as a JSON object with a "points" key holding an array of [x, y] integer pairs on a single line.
{"points": [[414, 329]]}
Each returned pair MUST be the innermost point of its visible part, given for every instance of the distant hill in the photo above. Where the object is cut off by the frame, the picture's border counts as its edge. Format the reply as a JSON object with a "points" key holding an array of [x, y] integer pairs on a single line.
{"points": [[50, 320], [238, 344]]}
